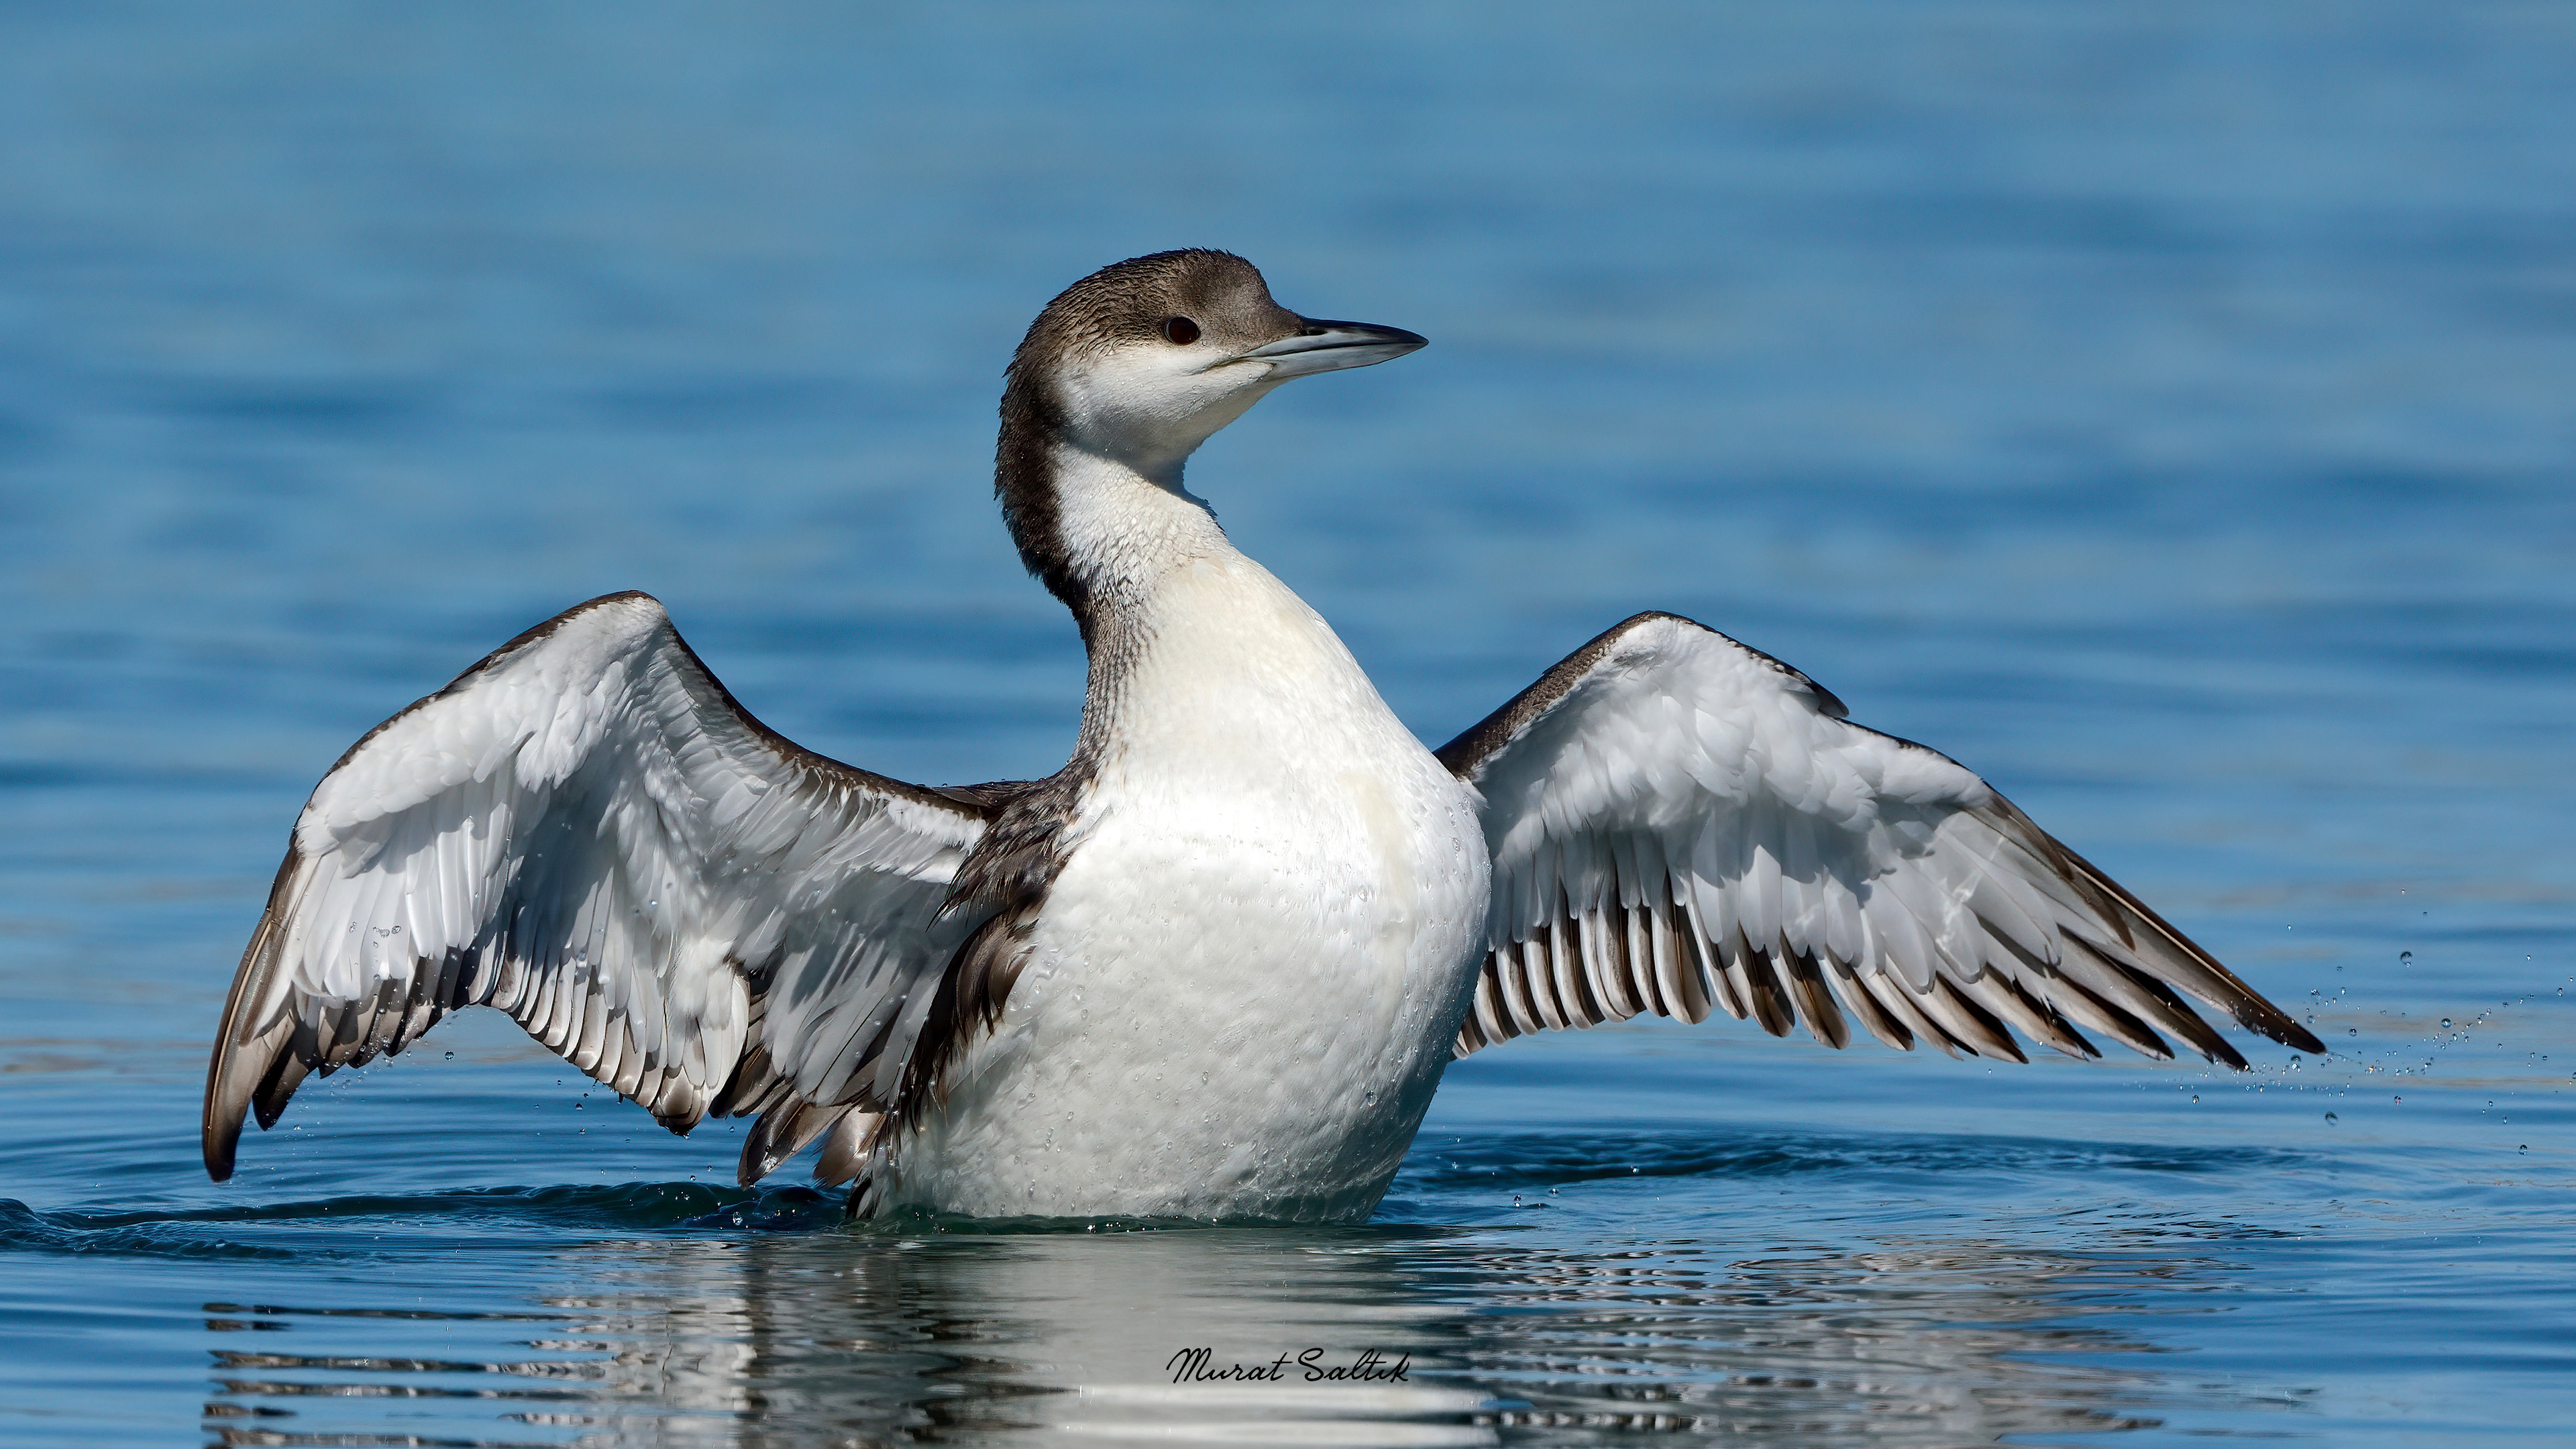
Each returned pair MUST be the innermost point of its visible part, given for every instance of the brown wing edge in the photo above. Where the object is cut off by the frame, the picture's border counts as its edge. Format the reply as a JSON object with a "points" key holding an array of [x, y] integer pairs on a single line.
{"points": [[1465, 756]]}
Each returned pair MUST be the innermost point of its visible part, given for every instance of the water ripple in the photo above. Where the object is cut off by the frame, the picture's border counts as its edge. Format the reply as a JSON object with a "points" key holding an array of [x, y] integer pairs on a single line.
{"points": [[1552, 1159]]}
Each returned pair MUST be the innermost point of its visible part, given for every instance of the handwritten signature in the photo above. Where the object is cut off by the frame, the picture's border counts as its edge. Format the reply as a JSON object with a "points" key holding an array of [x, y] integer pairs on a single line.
{"points": [[1197, 1366]]}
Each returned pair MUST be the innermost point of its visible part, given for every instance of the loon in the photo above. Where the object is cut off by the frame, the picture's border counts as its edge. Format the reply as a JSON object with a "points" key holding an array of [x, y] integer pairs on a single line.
{"points": [[1214, 967]]}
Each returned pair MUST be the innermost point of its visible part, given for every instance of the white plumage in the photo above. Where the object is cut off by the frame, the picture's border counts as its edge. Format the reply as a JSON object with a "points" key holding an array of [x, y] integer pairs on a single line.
{"points": [[1244, 984], [1213, 967]]}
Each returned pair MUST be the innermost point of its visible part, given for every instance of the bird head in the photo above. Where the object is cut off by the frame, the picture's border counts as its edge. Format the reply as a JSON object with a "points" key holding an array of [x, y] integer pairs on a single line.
{"points": [[1142, 361]]}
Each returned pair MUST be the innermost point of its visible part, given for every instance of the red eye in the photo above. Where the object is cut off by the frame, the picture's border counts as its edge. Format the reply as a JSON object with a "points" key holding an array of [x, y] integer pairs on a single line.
{"points": [[1180, 331]]}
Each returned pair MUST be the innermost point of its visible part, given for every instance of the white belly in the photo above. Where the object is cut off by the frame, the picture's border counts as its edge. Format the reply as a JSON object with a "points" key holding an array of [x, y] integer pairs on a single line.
{"points": [[1245, 980]]}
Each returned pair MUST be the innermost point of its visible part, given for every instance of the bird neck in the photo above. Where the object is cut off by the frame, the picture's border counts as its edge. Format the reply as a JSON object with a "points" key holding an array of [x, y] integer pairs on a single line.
{"points": [[1102, 531], [1184, 634]]}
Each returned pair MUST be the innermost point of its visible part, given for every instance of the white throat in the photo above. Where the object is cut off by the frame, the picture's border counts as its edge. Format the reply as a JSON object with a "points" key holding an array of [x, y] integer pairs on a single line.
{"points": [[1150, 409], [1123, 530]]}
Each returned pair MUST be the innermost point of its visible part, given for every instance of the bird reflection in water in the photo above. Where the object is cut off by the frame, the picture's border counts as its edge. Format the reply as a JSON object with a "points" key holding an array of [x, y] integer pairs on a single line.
{"points": [[899, 1334]]}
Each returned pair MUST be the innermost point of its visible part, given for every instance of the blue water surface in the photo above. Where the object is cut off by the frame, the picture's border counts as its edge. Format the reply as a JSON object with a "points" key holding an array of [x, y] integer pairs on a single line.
{"points": [[2163, 409]]}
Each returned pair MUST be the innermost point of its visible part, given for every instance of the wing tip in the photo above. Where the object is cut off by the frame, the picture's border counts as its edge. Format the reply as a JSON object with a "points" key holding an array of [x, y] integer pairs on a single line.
{"points": [[238, 1065], [227, 1102], [2202, 974], [2280, 1028], [221, 1141], [2260, 1017]]}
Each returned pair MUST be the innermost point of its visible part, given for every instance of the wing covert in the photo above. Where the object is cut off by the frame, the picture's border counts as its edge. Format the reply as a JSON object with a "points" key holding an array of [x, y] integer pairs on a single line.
{"points": [[587, 831], [1682, 824]]}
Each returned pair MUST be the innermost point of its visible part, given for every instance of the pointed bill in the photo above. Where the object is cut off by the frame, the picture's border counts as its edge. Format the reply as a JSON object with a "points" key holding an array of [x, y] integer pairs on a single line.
{"points": [[1324, 346]]}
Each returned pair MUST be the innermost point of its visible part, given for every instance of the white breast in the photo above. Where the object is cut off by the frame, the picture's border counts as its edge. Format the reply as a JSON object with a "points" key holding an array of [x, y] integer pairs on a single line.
{"points": [[1246, 978]]}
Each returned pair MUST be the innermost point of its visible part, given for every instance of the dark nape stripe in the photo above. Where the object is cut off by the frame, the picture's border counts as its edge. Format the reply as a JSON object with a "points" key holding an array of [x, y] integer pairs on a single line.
{"points": [[1024, 482]]}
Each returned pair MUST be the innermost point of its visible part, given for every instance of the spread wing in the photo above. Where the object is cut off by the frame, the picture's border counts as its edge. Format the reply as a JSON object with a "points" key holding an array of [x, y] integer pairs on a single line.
{"points": [[586, 831], [1681, 824]]}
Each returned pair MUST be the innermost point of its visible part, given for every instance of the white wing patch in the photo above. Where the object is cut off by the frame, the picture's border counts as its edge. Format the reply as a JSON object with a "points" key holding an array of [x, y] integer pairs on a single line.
{"points": [[1680, 824], [587, 832]]}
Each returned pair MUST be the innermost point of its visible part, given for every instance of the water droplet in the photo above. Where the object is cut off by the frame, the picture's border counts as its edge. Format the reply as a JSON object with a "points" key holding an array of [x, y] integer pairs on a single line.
{"points": [[2397, 1099], [2352, 1031], [451, 1056], [2446, 1023], [2526, 1147], [2195, 1096], [1372, 1100], [2405, 958], [2330, 1117]]}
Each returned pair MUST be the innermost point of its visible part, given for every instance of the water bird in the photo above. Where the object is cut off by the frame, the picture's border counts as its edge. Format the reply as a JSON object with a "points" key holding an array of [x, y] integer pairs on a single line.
{"points": [[1213, 967]]}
